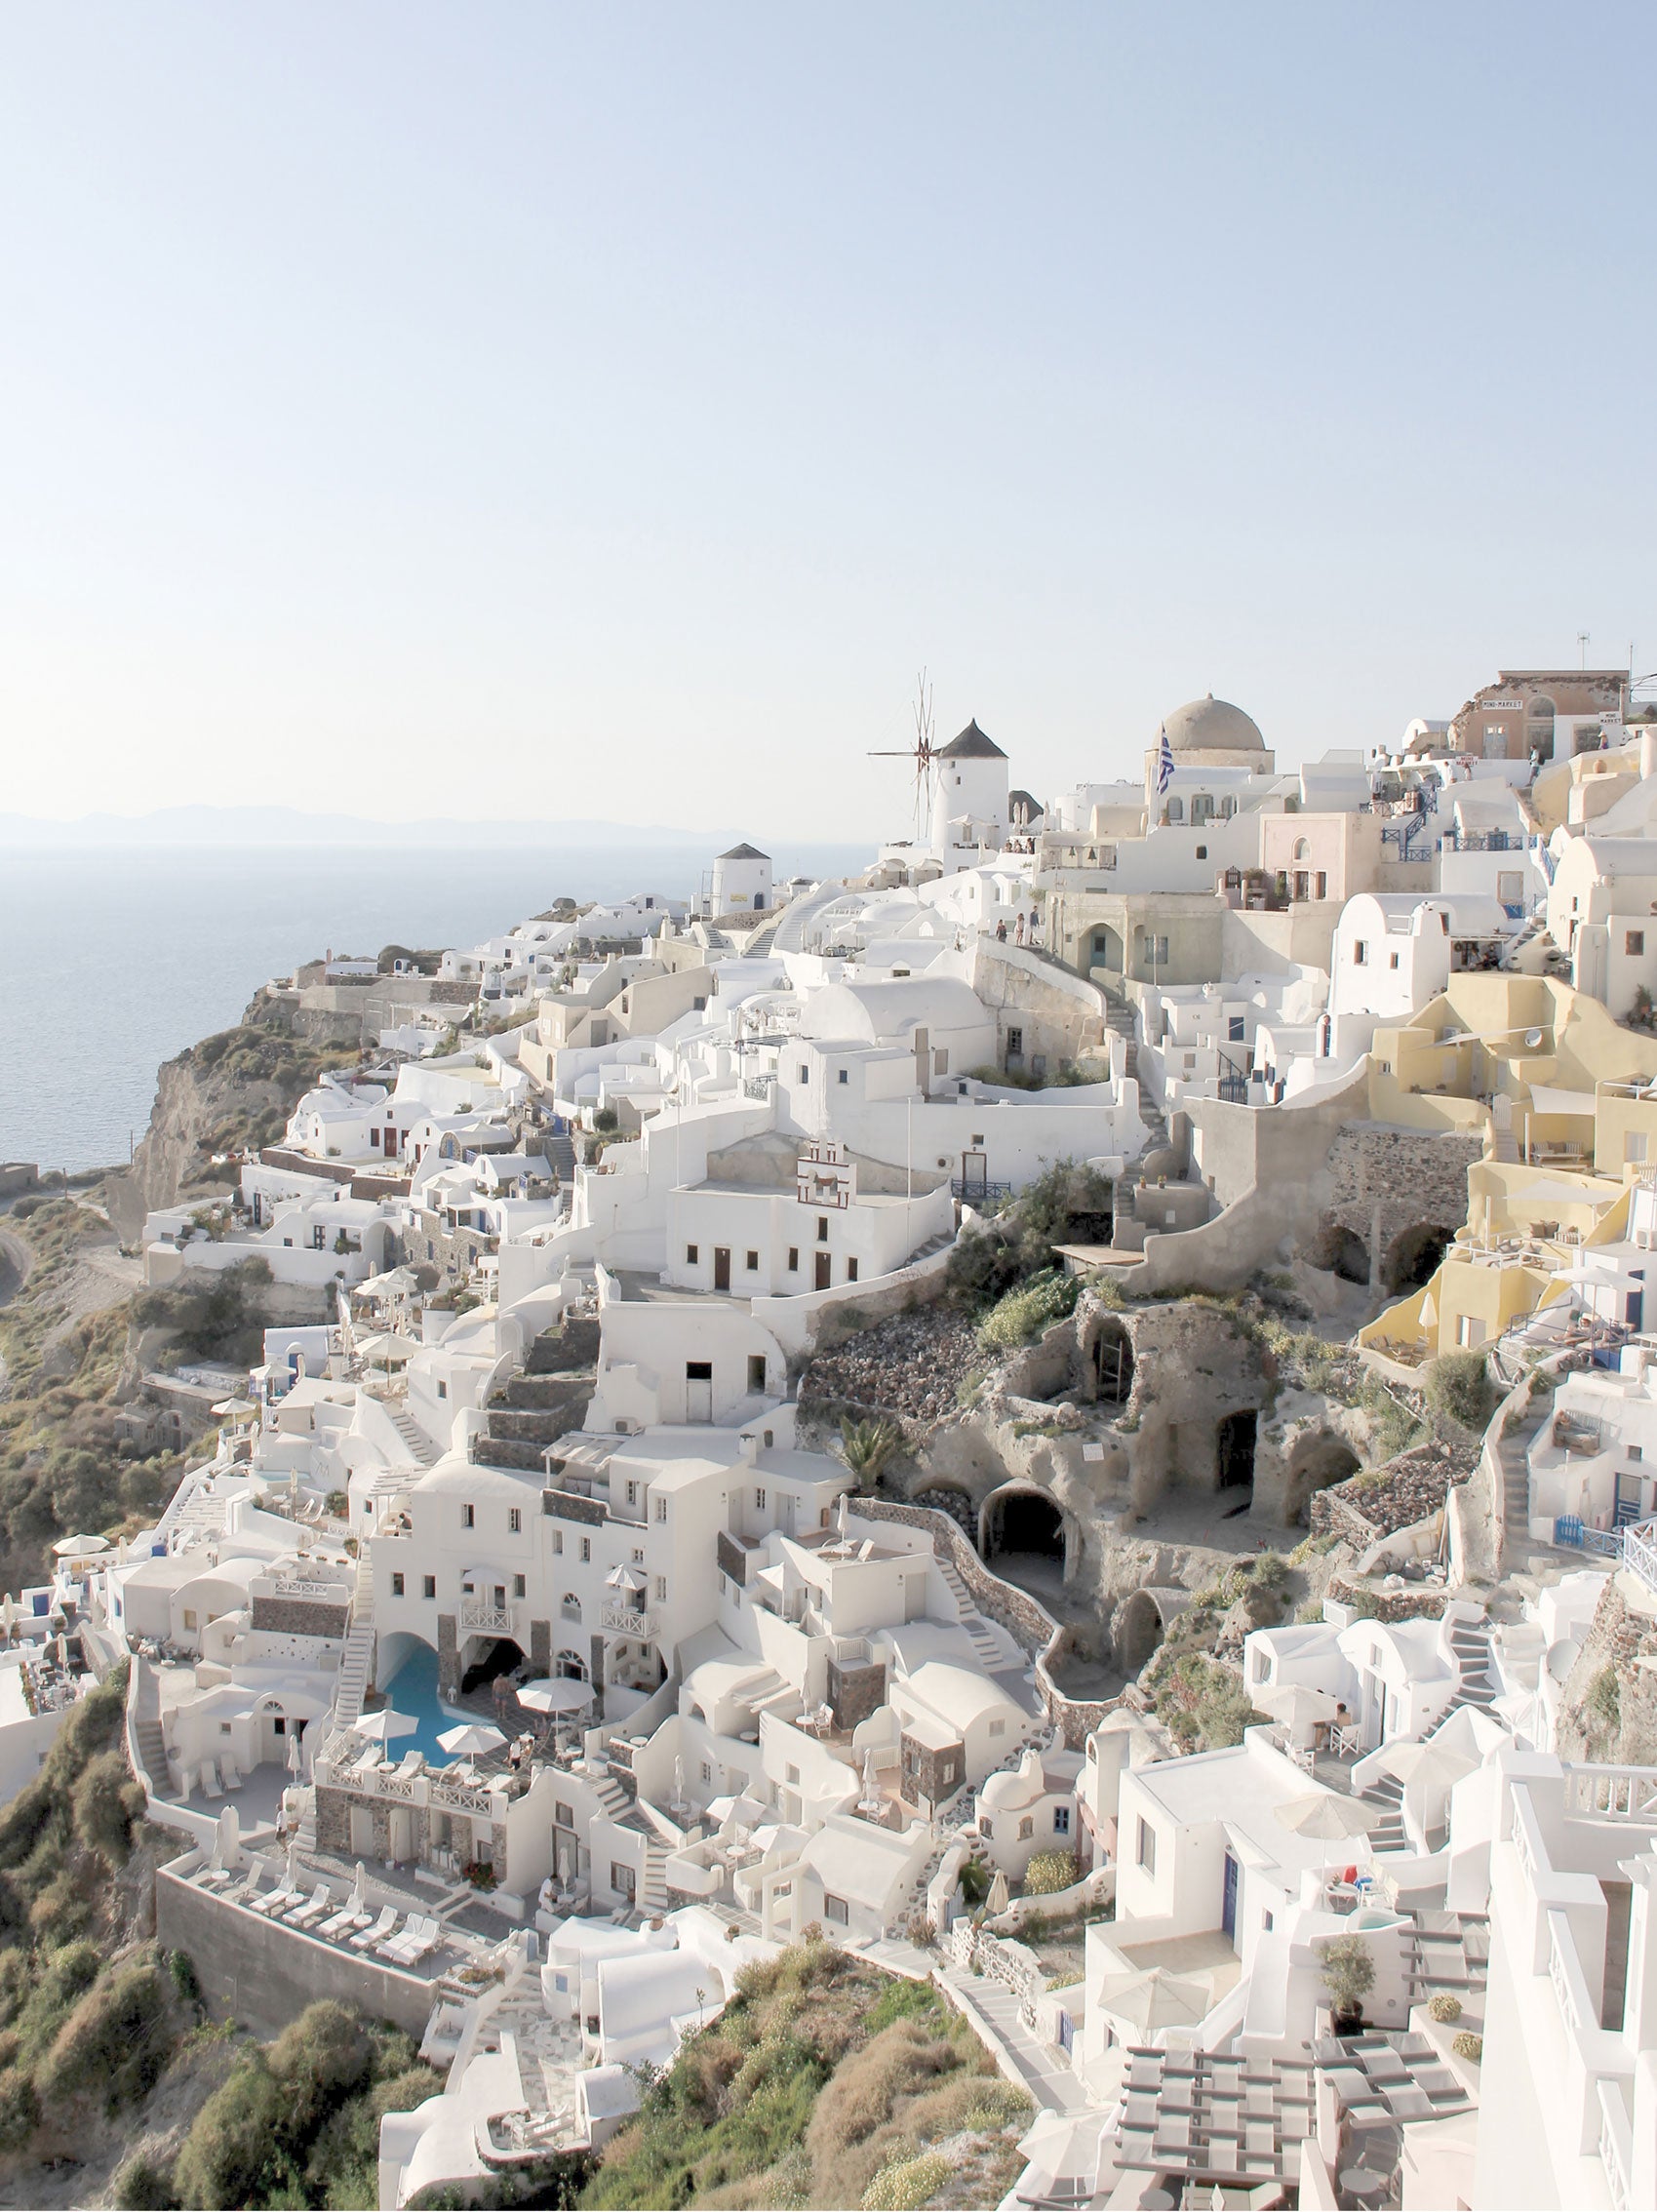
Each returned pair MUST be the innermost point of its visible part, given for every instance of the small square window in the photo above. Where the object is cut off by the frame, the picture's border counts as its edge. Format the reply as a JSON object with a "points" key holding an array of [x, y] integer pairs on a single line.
{"points": [[843, 1075], [822, 1229], [851, 1271], [396, 1586], [691, 1255], [661, 1589], [428, 1586], [661, 1509], [1061, 1820], [519, 1588], [793, 1259], [752, 1262], [558, 1543], [468, 1516], [1634, 943], [1392, 960], [756, 1372], [836, 1909], [1145, 1850], [804, 1075], [1201, 853], [515, 1520], [1026, 1828], [586, 1547]]}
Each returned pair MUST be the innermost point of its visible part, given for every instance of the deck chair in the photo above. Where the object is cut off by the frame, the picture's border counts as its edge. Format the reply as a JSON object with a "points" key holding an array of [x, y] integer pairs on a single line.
{"points": [[314, 1907], [210, 1780], [276, 1900], [338, 1924], [255, 1875], [372, 1938], [228, 1774]]}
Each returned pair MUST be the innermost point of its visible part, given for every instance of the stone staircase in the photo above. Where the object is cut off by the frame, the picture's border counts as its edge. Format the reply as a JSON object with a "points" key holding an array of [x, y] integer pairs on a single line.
{"points": [[992, 1646], [655, 1896], [1385, 1797], [559, 1153], [147, 1729], [422, 1450], [351, 1683], [1472, 1649], [547, 1398], [1121, 1020], [1446, 1951]]}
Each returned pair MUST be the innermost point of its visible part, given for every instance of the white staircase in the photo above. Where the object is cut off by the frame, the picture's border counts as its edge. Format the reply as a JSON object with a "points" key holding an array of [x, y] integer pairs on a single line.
{"points": [[1386, 1794], [992, 1646], [357, 1658], [654, 1895], [422, 1450], [1472, 1649]]}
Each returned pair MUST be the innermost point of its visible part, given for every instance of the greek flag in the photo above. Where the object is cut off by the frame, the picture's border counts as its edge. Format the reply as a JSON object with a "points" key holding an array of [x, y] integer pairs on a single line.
{"points": [[1165, 765]]}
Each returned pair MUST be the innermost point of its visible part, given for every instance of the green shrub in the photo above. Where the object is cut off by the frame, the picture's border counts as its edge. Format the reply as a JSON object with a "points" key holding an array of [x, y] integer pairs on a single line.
{"points": [[1348, 1971], [20, 2110], [142, 2186], [317, 2061], [1468, 2046], [106, 1804], [907, 2183], [1443, 2007], [1024, 1313], [1458, 1384], [1049, 1871], [118, 2040], [230, 2150]]}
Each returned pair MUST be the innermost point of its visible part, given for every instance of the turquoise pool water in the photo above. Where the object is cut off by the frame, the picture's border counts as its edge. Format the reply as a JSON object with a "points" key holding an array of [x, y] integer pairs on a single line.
{"points": [[412, 1691]]}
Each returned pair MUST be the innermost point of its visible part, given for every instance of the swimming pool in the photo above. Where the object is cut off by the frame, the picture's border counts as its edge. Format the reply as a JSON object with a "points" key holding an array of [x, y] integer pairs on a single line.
{"points": [[412, 1691]]}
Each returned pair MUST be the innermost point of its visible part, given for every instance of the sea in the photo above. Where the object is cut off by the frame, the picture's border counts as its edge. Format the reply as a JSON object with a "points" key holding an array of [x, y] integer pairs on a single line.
{"points": [[114, 959]]}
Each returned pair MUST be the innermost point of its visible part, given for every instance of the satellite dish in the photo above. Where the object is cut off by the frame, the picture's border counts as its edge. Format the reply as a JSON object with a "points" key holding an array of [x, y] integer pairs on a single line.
{"points": [[1533, 1039]]}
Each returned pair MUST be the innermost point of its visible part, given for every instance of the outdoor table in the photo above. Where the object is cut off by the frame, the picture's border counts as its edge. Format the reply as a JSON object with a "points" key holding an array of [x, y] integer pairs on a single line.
{"points": [[1359, 2181]]}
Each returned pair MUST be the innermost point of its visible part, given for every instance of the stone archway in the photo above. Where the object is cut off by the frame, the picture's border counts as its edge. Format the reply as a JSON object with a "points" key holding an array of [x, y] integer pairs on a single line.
{"points": [[1233, 1452], [485, 1658], [1025, 1537], [1340, 1251], [1416, 1256], [1137, 1632], [1317, 1462]]}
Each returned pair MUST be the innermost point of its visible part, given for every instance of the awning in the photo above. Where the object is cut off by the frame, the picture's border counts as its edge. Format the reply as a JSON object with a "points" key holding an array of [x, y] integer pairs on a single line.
{"points": [[1546, 1100]]}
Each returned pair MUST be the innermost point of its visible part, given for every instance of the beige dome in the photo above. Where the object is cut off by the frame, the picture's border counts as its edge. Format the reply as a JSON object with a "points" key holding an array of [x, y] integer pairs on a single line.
{"points": [[1212, 725]]}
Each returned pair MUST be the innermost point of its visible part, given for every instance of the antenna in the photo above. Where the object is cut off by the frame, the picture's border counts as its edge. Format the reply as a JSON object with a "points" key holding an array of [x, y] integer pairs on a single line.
{"points": [[922, 752], [1582, 646]]}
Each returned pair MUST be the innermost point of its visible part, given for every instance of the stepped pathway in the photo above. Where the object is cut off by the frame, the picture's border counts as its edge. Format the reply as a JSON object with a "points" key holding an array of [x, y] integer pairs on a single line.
{"points": [[1121, 1020], [1385, 1797], [560, 1152], [1472, 1647], [352, 1682], [1520, 1551], [994, 1649], [422, 1450]]}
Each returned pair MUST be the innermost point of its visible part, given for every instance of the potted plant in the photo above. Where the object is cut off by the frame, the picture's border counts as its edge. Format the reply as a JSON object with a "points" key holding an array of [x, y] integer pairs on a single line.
{"points": [[1349, 1975]]}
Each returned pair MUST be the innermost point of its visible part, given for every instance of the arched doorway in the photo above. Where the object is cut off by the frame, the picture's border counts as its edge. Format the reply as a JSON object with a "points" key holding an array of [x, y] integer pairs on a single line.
{"points": [[1104, 949], [1339, 1252], [1024, 1538], [1416, 1256], [1317, 1462], [1113, 1364], [488, 1657], [1233, 1452], [1138, 1632]]}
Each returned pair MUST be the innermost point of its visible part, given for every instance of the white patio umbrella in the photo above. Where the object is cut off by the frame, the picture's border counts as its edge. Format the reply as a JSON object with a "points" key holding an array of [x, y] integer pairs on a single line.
{"points": [[379, 1728], [228, 1838], [471, 1739], [65, 1545], [1297, 1705], [625, 1578], [1000, 1897], [555, 1694], [1326, 1817], [359, 1888], [1440, 1764], [295, 1754], [1154, 1998]]}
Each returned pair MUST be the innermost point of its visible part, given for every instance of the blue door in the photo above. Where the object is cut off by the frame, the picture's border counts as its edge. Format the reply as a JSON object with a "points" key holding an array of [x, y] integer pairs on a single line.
{"points": [[1228, 1909]]}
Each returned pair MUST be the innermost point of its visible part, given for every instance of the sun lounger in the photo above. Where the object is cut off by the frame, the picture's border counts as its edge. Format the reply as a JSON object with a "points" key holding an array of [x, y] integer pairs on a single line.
{"points": [[228, 1774], [341, 1922], [255, 1875], [315, 1906], [276, 1900], [372, 1938], [210, 1780]]}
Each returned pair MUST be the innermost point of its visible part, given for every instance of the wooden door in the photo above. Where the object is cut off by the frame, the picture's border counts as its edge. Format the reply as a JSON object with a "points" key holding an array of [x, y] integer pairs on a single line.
{"points": [[721, 1268], [825, 1271]]}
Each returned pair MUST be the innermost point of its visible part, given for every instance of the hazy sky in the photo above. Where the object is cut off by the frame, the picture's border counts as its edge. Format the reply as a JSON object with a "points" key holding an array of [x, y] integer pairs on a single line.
{"points": [[606, 409]]}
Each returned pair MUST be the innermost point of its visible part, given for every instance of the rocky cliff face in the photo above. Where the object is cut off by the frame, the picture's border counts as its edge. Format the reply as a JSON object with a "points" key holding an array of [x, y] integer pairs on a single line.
{"points": [[1609, 1708], [232, 1089]]}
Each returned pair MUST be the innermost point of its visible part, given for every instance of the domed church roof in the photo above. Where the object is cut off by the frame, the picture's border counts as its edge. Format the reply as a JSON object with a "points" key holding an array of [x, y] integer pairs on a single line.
{"points": [[1212, 725]]}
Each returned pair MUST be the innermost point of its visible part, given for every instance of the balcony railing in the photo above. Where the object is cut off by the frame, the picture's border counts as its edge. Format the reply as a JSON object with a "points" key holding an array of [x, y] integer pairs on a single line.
{"points": [[479, 1619], [627, 1620]]}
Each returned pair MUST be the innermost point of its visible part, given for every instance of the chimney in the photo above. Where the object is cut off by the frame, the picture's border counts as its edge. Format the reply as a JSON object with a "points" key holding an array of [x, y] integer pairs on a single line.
{"points": [[1648, 750]]}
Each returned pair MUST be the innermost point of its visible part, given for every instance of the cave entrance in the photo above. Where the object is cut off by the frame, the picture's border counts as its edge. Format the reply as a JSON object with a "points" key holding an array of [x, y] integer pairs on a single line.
{"points": [[1113, 1364], [1233, 1452], [1416, 1256], [1338, 1251], [1319, 1462], [1024, 1538], [1138, 1632]]}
